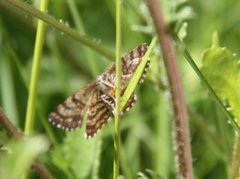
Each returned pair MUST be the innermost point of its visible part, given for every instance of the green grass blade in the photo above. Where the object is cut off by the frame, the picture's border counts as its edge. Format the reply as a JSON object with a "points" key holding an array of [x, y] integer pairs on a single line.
{"points": [[35, 73], [63, 28], [118, 91], [136, 76], [7, 88]]}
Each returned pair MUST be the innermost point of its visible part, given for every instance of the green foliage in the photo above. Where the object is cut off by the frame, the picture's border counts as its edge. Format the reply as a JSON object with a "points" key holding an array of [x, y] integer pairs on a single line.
{"points": [[20, 155], [146, 130], [76, 156], [222, 70]]}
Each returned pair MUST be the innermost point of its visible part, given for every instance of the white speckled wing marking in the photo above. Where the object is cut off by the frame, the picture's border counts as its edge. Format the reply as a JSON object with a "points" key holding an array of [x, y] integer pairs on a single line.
{"points": [[69, 114]]}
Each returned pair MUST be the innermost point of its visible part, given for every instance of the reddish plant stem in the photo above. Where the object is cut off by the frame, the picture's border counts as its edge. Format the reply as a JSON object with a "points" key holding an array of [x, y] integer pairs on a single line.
{"points": [[234, 170], [9, 127], [184, 160], [15, 134]]}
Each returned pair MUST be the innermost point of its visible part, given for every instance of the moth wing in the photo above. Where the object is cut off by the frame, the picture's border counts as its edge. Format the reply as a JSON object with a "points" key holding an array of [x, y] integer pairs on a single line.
{"points": [[132, 59], [98, 113], [69, 114], [130, 103], [144, 73]]}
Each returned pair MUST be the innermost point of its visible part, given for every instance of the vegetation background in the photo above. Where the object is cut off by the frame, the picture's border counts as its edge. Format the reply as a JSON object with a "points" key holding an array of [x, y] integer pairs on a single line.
{"points": [[147, 148]]}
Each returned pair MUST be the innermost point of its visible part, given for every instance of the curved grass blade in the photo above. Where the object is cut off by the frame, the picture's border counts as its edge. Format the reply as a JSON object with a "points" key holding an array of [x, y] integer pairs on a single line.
{"points": [[137, 75]]}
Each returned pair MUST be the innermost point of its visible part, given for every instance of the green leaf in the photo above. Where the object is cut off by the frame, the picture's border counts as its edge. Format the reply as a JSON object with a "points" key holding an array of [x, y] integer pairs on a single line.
{"points": [[21, 155], [221, 69], [77, 157]]}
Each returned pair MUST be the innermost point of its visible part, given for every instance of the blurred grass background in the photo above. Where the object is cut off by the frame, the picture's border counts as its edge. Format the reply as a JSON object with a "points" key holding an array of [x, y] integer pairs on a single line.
{"points": [[67, 65]]}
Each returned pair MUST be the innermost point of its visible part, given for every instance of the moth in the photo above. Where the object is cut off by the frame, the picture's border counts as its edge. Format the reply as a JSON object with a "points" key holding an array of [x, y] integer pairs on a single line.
{"points": [[97, 99]]}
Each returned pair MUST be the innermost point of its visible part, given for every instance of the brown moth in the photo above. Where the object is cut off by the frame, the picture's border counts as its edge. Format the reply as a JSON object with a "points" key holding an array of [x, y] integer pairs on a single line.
{"points": [[97, 99]]}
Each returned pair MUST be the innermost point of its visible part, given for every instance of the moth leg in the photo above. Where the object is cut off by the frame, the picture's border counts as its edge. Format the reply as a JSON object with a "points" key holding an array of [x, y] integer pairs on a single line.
{"points": [[110, 101], [108, 84], [106, 80]]}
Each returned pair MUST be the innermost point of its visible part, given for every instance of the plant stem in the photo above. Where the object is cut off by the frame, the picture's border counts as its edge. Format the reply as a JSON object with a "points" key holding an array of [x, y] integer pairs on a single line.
{"points": [[137, 74], [35, 72], [117, 92], [184, 160], [8, 126], [235, 166], [63, 28]]}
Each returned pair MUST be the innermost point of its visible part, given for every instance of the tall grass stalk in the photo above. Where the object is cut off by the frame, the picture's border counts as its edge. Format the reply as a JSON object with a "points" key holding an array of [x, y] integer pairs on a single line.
{"points": [[118, 91], [137, 74], [63, 28], [29, 122]]}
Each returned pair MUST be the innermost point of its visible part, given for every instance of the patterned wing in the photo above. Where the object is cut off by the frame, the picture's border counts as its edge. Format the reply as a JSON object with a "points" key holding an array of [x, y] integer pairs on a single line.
{"points": [[110, 102], [131, 102], [143, 76], [69, 114], [98, 98], [98, 113], [132, 59]]}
